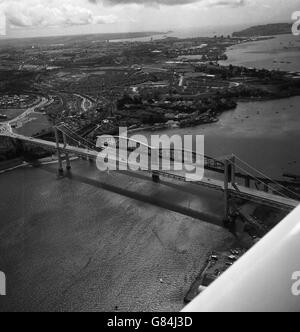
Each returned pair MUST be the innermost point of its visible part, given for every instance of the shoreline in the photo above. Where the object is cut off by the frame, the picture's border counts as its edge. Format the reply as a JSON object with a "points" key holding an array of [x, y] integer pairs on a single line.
{"points": [[252, 63], [11, 165], [162, 126], [215, 117], [42, 161]]}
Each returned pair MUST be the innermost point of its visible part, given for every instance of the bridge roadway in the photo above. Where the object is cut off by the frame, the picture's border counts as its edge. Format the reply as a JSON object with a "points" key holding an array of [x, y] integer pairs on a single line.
{"points": [[236, 191]]}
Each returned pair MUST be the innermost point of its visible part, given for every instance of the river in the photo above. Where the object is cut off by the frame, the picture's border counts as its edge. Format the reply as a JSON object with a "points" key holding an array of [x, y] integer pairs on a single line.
{"points": [[280, 53], [264, 134]]}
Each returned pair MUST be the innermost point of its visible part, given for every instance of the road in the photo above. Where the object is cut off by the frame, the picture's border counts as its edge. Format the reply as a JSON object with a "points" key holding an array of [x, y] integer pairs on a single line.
{"points": [[29, 110], [86, 103], [6, 127]]}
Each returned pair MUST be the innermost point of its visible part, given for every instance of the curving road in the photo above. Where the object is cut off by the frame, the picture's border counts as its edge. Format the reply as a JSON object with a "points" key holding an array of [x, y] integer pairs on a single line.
{"points": [[86, 103], [5, 127]]}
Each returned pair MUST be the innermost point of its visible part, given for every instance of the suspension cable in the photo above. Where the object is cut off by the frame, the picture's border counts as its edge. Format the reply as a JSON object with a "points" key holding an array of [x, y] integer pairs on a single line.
{"points": [[81, 138], [72, 138], [260, 181], [272, 188], [266, 177]]}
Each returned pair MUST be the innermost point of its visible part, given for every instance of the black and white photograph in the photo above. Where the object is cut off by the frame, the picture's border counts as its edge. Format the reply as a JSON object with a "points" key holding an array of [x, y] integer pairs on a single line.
{"points": [[149, 158]]}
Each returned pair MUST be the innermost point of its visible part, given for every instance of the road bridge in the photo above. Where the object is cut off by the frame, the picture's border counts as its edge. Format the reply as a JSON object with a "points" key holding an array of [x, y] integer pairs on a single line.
{"points": [[83, 148]]}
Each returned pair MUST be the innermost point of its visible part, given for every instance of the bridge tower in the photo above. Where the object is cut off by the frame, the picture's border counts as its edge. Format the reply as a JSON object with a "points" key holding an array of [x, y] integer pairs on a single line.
{"points": [[59, 154], [229, 180], [60, 164], [67, 154], [226, 190]]}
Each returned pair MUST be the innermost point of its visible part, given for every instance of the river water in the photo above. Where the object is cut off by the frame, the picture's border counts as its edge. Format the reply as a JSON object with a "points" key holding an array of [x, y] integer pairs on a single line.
{"points": [[280, 53], [264, 134]]}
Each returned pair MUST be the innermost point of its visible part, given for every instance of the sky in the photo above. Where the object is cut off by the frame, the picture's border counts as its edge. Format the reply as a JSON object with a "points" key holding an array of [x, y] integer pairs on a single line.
{"points": [[51, 17]]}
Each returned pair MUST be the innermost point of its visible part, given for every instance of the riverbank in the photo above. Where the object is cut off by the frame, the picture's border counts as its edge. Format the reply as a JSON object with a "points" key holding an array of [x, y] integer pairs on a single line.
{"points": [[210, 119], [10, 165], [279, 53], [265, 134]]}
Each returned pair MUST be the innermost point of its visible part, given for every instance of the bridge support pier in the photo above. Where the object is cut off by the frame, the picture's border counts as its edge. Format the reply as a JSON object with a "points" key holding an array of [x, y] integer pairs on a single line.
{"points": [[60, 165], [68, 163], [155, 177]]}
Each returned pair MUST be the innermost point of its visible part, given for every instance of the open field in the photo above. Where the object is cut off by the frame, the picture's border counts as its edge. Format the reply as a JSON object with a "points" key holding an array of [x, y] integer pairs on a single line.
{"points": [[10, 113]]}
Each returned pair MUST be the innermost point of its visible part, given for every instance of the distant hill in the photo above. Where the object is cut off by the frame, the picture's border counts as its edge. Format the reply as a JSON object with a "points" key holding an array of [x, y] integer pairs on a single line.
{"points": [[71, 39], [265, 30]]}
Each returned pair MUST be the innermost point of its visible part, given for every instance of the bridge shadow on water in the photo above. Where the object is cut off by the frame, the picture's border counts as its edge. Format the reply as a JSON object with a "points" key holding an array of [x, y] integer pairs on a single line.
{"points": [[155, 200]]}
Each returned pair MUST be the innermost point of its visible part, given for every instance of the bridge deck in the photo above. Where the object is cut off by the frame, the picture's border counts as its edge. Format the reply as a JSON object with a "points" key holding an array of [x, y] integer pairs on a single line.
{"points": [[242, 192], [260, 196]]}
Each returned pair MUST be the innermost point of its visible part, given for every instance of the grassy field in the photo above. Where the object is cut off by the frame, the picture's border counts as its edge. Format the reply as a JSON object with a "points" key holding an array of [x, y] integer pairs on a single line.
{"points": [[34, 125], [11, 113]]}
